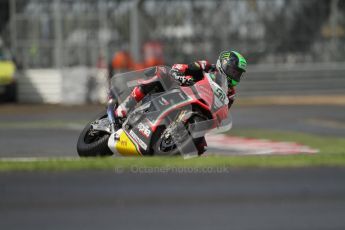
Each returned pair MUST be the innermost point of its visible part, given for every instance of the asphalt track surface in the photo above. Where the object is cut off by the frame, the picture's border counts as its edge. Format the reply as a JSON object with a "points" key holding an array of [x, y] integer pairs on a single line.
{"points": [[46, 131], [237, 199], [266, 199]]}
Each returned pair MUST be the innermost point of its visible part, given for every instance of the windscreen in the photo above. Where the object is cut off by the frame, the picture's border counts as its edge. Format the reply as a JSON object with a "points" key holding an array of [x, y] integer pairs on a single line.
{"points": [[122, 84]]}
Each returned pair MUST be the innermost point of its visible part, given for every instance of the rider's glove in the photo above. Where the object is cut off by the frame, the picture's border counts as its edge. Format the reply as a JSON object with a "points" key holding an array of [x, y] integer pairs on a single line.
{"points": [[213, 68], [184, 80]]}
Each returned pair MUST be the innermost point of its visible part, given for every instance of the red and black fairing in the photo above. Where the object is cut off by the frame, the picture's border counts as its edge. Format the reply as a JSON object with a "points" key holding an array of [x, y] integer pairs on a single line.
{"points": [[210, 99], [163, 108]]}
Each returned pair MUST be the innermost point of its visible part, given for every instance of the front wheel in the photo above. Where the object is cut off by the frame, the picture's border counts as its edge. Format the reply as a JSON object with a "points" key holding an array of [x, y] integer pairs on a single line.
{"points": [[177, 140], [92, 143]]}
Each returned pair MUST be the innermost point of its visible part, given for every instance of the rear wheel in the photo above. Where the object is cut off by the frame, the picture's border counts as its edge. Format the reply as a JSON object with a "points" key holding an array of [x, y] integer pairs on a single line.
{"points": [[92, 143]]}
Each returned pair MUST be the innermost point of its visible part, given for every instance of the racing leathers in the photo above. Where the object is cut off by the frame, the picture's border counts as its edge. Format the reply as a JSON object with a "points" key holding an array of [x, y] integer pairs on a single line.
{"points": [[184, 73]]}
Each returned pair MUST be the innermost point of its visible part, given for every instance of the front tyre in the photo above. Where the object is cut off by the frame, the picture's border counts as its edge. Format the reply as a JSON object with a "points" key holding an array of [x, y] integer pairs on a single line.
{"points": [[93, 143], [164, 147], [177, 140]]}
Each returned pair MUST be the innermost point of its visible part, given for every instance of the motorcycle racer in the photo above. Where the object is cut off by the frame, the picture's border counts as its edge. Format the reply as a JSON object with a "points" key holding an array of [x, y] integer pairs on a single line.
{"points": [[231, 64]]}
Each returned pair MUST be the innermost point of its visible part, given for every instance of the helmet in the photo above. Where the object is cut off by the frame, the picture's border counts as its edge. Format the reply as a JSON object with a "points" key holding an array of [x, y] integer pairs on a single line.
{"points": [[232, 65]]}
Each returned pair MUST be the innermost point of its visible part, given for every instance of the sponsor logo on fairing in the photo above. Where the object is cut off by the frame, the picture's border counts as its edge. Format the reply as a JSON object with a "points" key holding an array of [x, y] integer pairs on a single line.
{"points": [[138, 140], [144, 130], [163, 101]]}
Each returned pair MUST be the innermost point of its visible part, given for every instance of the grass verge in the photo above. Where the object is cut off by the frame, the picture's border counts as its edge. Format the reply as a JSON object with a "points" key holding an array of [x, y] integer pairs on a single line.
{"points": [[332, 154], [174, 163]]}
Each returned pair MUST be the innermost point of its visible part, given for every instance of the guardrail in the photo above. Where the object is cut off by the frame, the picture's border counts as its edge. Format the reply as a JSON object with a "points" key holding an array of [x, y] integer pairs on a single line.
{"points": [[81, 85], [40, 86], [303, 79], [77, 85]]}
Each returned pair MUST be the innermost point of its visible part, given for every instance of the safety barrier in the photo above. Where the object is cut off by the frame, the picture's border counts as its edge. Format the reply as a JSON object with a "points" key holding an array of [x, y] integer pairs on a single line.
{"points": [[40, 86], [304, 79], [79, 85]]}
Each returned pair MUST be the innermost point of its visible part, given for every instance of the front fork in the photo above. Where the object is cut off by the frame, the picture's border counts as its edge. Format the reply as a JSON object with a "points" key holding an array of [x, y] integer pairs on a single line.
{"points": [[111, 116]]}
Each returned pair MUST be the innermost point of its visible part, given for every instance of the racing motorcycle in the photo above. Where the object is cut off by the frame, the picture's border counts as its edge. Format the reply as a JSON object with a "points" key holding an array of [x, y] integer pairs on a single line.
{"points": [[171, 120]]}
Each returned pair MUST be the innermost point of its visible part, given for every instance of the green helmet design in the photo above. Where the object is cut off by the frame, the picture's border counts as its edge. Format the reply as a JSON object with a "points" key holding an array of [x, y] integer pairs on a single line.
{"points": [[231, 64]]}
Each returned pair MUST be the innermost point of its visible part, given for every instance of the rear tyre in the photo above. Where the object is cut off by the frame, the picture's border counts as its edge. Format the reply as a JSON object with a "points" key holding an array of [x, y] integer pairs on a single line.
{"points": [[93, 143]]}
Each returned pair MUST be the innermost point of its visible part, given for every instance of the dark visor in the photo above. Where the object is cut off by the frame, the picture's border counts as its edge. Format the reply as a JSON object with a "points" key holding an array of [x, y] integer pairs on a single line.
{"points": [[232, 72]]}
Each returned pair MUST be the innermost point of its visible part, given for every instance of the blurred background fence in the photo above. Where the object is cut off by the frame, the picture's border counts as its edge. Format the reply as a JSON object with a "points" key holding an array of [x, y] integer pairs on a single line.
{"points": [[62, 34]]}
